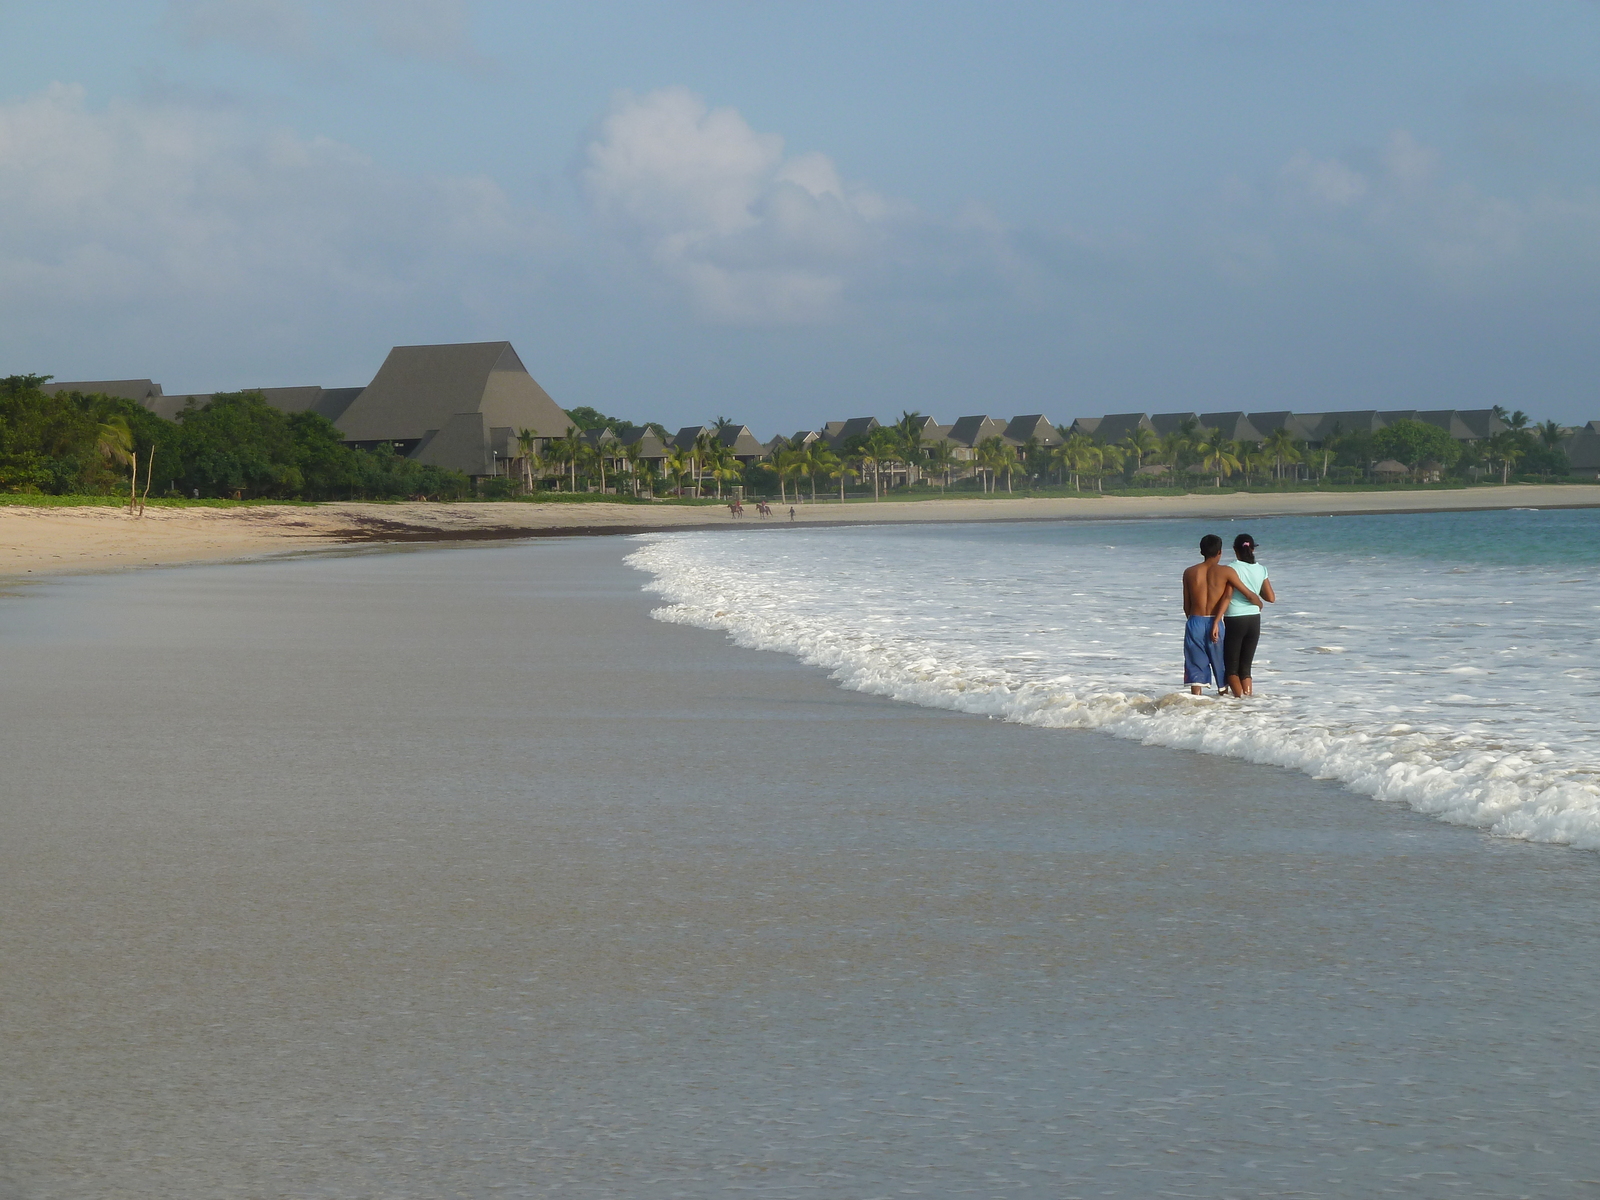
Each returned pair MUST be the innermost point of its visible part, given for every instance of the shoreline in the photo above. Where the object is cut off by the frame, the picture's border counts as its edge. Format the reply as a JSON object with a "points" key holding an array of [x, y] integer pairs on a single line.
{"points": [[40, 542], [362, 877]]}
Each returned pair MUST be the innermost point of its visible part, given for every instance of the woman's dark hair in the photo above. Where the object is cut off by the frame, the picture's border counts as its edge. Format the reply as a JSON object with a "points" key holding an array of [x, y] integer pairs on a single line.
{"points": [[1244, 548], [1209, 545]]}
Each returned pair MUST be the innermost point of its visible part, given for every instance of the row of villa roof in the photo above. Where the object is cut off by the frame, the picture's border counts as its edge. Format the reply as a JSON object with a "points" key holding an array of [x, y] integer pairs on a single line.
{"points": [[1465, 425], [462, 405]]}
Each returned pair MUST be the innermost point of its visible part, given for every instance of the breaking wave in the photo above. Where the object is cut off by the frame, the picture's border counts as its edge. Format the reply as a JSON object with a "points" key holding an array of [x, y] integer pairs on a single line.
{"points": [[1409, 680]]}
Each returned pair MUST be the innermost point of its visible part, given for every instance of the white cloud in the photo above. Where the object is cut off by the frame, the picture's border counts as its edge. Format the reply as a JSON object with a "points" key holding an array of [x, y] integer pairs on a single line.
{"points": [[316, 31], [1326, 181], [143, 215], [753, 235], [1401, 215]]}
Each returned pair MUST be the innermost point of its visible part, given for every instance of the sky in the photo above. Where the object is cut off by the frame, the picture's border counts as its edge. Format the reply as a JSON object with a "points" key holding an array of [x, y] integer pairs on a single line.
{"points": [[788, 213]]}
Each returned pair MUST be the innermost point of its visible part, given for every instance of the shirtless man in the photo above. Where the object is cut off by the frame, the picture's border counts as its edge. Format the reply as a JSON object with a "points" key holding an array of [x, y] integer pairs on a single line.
{"points": [[1207, 587]]}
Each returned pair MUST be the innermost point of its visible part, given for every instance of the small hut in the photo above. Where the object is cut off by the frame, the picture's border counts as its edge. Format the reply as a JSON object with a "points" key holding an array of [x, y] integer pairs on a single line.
{"points": [[1390, 471]]}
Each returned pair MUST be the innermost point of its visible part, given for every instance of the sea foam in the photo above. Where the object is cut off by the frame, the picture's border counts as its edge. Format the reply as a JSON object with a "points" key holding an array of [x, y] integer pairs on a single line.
{"points": [[1465, 693]]}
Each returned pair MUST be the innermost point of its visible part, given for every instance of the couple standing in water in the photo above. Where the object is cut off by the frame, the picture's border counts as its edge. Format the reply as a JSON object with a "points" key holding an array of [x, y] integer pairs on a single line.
{"points": [[1212, 594]]}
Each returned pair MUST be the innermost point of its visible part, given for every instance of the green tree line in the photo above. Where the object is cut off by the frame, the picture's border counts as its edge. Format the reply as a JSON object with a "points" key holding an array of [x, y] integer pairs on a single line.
{"points": [[236, 446]]}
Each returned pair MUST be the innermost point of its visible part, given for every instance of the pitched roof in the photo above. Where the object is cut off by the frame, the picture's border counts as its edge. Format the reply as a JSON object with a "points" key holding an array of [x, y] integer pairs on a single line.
{"points": [[1235, 426], [1480, 422], [1023, 428], [969, 431], [742, 442], [169, 408], [1268, 423], [1363, 420], [844, 430], [329, 402], [1085, 425], [1169, 423], [1115, 426], [460, 444], [684, 439], [333, 402], [423, 388], [1449, 420], [650, 443], [122, 389], [1583, 448]]}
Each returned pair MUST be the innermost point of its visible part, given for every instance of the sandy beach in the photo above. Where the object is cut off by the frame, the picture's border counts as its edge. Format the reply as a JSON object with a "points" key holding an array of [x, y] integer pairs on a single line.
{"points": [[50, 541], [323, 877]]}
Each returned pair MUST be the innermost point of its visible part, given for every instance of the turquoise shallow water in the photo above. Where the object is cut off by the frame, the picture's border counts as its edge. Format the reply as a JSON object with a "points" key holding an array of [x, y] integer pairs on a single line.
{"points": [[451, 873], [1444, 661]]}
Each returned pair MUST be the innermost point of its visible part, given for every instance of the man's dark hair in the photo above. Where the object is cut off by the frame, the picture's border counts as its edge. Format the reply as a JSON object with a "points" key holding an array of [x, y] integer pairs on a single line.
{"points": [[1209, 545]]}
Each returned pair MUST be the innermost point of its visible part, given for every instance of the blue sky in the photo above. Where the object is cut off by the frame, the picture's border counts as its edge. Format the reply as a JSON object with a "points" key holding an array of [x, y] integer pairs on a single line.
{"points": [[793, 212]]}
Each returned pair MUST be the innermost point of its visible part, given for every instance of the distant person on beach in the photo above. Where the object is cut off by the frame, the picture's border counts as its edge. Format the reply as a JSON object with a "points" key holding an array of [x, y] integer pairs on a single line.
{"points": [[791, 512], [1244, 616], [1207, 588]]}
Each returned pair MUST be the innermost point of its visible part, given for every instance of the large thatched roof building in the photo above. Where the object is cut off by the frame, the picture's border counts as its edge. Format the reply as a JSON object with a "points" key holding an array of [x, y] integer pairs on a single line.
{"points": [[458, 406]]}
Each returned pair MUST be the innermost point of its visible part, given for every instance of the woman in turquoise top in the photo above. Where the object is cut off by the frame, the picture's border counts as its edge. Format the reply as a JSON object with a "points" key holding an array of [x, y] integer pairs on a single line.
{"points": [[1243, 619]]}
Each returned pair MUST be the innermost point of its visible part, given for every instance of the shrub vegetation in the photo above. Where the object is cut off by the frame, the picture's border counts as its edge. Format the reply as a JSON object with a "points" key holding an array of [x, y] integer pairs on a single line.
{"points": [[237, 446]]}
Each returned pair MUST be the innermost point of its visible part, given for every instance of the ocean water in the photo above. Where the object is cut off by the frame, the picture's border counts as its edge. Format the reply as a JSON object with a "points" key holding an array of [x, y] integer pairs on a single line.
{"points": [[1445, 661]]}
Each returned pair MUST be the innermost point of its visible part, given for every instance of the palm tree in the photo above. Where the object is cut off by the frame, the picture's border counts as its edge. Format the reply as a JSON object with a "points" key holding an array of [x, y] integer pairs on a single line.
{"points": [[805, 463], [1112, 458], [1075, 457], [723, 423], [569, 449], [866, 459], [1174, 447], [629, 455], [1280, 445], [788, 464], [820, 461], [908, 432], [678, 465], [527, 443], [1505, 448], [1253, 459], [1551, 434], [1517, 420], [643, 469], [839, 469], [1139, 442], [600, 453], [941, 456], [1092, 460], [994, 455], [1218, 456], [704, 443], [885, 445], [114, 441], [724, 465]]}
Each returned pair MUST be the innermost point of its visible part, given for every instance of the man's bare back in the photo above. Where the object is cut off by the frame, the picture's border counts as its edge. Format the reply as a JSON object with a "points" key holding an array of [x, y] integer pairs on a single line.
{"points": [[1206, 586]]}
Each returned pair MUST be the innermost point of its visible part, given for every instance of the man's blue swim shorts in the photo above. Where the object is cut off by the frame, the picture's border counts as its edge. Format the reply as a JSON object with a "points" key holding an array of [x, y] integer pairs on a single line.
{"points": [[1202, 657]]}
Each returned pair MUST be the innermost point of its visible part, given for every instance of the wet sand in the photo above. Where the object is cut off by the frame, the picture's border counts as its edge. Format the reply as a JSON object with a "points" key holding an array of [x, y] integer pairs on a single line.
{"points": [[41, 541], [447, 872]]}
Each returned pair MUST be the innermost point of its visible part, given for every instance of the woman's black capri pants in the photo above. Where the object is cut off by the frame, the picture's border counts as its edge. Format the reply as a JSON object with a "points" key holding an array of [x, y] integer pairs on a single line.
{"points": [[1239, 638]]}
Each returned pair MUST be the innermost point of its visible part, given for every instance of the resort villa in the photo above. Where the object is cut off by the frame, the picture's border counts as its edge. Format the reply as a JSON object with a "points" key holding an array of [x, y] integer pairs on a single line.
{"points": [[462, 406]]}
